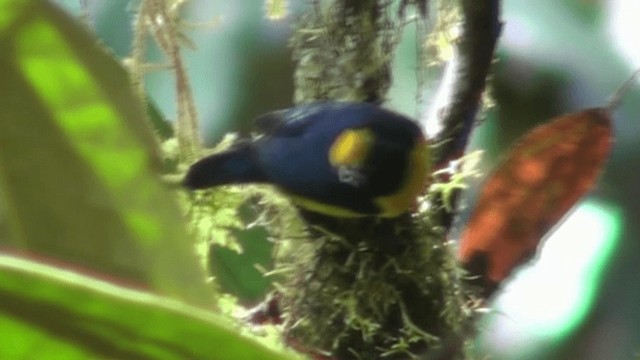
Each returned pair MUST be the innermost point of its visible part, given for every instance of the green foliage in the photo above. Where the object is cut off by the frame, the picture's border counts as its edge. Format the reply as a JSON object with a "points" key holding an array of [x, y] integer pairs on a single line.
{"points": [[49, 313], [78, 161], [457, 177], [214, 215]]}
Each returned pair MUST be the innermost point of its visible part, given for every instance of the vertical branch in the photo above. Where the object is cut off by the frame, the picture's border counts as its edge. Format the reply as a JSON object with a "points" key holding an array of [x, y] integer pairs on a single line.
{"points": [[138, 52], [187, 126], [161, 18], [462, 87], [467, 71]]}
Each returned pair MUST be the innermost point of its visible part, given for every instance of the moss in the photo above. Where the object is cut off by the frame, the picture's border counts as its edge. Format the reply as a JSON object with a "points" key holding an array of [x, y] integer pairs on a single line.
{"points": [[369, 288]]}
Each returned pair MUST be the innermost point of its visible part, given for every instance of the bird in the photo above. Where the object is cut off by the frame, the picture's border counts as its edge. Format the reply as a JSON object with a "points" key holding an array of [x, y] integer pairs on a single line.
{"points": [[341, 159]]}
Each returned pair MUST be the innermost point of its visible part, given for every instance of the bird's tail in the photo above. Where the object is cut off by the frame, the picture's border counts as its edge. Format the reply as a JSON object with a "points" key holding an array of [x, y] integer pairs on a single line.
{"points": [[235, 166]]}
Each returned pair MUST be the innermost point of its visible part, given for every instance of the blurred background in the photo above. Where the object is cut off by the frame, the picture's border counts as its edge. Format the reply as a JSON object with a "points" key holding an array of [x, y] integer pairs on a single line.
{"points": [[580, 298]]}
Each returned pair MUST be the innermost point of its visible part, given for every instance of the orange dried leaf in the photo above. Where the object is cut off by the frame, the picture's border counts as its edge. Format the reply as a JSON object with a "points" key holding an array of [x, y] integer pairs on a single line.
{"points": [[542, 177]]}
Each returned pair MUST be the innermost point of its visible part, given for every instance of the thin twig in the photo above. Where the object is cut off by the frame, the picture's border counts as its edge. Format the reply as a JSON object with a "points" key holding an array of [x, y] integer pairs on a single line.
{"points": [[136, 65], [616, 99], [161, 19]]}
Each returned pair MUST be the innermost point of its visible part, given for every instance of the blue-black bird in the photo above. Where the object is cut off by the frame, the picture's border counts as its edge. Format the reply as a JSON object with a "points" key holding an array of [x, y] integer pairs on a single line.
{"points": [[338, 159]]}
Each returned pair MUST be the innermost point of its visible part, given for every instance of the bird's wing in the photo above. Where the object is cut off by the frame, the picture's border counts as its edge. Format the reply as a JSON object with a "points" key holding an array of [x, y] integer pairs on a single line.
{"points": [[288, 122]]}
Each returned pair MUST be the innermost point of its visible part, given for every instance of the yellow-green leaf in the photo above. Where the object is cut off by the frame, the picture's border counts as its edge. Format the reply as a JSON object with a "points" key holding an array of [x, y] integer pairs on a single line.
{"points": [[78, 164], [50, 313]]}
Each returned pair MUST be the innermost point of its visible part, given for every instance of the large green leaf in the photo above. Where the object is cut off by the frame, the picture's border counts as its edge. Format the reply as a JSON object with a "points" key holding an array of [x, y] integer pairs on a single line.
{"points": [[48, 313], [78, 163]]}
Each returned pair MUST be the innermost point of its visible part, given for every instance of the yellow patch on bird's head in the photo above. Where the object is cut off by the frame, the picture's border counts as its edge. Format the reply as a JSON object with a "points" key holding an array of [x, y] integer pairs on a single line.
{"points": [[351, 147], [415, 176]]}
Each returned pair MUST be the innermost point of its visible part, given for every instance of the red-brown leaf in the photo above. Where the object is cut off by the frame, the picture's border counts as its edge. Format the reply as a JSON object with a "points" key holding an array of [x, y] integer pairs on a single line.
{"points": [[542, 177]]}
